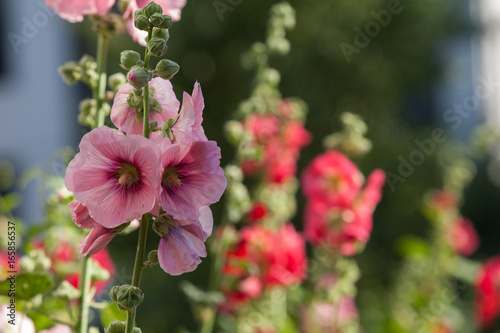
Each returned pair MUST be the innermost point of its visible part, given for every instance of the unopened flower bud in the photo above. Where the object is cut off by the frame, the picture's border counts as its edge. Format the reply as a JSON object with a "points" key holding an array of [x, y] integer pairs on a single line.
{"points": [[128, 297], [161, 33], [166, 69], [153, 257], [152, 8], [116, 326], [129, 58], [157, 19], [157, 47], [71, 72], [116, 80], [234, 131], [141, 22], [123, 5], [167, 22], [138, 77], [278, 45]]}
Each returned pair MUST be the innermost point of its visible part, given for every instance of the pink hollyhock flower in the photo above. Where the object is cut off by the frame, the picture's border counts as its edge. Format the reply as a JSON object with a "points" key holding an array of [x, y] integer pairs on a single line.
{"points": [[332, 177], [192, 177], [74, 10], [171, 8], [262, 127], [183, 241], [188, 126], [296, 136], [258, 212], [325, 317], [462, 237], [124, 117], [22, 323], [115, 176], [251, 287], [287, 260], [345, 226], [58, 329], [487, 305]]}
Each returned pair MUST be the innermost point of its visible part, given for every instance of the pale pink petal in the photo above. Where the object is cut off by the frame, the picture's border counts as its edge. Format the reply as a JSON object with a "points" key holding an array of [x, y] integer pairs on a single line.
{"points": [[58, 329], [180, 251], [207, 221], [96, 240], [190, 117], [81, 215], [123, 117], [74, 10]]}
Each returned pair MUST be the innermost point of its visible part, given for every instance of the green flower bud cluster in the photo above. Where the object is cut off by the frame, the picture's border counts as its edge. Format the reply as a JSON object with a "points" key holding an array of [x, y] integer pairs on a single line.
{"points": [[84, 70], [282, 19], [135, 101], [117, 326], [351, 139], [127, 296], [238, 197], [151, 16], [116, 80], [152, 259], [35, 261], [88, 110], [162, 224]]}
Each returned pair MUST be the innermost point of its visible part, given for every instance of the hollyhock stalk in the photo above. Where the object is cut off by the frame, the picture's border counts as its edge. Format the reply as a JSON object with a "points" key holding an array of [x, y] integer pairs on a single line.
{"points": [[98, 94], [143, 229]]}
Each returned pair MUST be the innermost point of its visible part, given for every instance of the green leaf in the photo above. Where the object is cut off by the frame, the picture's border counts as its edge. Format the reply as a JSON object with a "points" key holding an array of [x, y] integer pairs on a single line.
{"points": [[110, 313], [27, 285]]}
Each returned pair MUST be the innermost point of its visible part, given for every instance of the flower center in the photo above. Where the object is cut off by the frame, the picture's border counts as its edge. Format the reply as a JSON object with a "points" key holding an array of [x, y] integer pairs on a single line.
{"points": [[127, 174], [170, 177]]}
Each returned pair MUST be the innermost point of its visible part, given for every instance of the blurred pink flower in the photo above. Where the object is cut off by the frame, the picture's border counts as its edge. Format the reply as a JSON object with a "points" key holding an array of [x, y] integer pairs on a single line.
{"points": [[342, 222], [183, 243], [325, 317], [124, 117], [462, 237], [487, 304], [115, 176], [74, 10], [332, 177], [192, 177], [22, 323], [171, 8]]}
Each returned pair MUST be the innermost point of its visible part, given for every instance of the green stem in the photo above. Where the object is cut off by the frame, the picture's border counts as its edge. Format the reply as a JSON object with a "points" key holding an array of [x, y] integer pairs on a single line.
{"points": [[100, 91], [138, 266], [83, 320]]}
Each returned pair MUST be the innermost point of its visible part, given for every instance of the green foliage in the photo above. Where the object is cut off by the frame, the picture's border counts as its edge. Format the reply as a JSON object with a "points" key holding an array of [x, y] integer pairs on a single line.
{"points": [[27, 285]]}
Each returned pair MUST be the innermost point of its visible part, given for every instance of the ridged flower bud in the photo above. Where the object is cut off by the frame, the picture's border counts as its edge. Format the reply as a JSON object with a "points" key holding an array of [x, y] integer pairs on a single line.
{"points": [[167, 22], [128, 59], [138, 77], [128, 297], [117, 326], [161, 33], [116, 80], [157, 46], [166, 69], [141, 22], [152, 8]]}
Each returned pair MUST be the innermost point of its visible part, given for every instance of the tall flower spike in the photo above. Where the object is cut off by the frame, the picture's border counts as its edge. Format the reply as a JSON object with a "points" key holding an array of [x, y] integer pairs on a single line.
{"points": [[115, 176]]}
